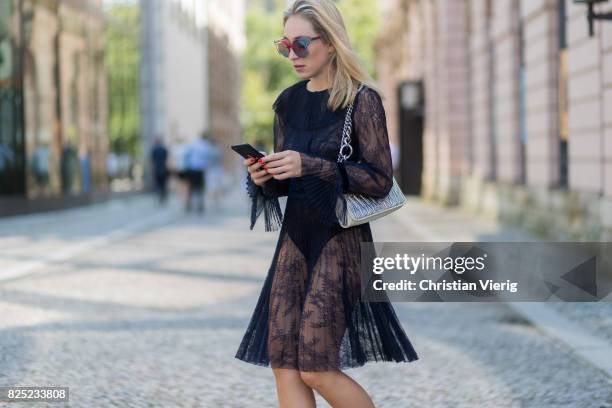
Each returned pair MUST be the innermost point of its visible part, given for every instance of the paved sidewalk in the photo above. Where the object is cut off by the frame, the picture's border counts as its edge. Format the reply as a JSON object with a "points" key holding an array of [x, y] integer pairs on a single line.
{"points": [[154, 318], [30, 242], [584, 327]]}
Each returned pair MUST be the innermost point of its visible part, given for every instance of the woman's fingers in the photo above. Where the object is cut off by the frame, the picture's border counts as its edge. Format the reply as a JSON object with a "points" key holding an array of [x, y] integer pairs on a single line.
{"points": [[253, 167], [249, 160], [277, 163], [280, 169], [280, 165], [275, 156], [262, 179], [257, 171], [282, 176]]}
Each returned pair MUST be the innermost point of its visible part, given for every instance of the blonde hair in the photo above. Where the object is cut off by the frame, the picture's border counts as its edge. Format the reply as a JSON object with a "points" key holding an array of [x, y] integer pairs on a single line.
{"points": [[346, 71]]}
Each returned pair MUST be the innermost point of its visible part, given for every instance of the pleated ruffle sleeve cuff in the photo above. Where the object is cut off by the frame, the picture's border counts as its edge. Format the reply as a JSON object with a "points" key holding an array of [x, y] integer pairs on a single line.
{"points": [[260, 201]]}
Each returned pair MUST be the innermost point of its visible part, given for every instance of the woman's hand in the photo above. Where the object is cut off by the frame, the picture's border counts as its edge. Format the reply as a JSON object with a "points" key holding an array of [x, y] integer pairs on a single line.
{"points": [[258, 174], [283, 165]]}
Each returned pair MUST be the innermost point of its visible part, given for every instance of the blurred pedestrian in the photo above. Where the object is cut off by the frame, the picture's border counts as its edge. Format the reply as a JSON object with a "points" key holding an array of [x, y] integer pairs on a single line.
{"points": [[159, 158], [215, 174], [112, 166], [178, 164], [40, 166], [68, 159], [197, 158], [85, 167]]}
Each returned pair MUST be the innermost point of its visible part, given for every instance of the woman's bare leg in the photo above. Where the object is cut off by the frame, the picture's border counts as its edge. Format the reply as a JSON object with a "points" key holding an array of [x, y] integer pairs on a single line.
{"points": [[338, 389], [292, 392]]}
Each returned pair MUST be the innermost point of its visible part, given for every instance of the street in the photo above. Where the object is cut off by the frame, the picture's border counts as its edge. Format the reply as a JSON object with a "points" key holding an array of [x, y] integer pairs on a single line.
{"points": [[131, 305]]}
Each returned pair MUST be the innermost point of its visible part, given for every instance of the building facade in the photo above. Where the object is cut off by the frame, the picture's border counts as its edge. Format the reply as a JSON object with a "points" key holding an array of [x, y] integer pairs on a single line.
{"points": [[52, 98], [190, 70], [226, 42], [174, 76], [517, 108]]}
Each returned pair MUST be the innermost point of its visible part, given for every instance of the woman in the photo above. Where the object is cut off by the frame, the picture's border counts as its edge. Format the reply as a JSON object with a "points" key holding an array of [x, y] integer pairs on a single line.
{"points": [[310, 322]]}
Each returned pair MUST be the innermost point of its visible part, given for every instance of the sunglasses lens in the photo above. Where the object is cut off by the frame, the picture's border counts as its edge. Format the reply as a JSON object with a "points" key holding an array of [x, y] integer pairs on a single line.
{"points": [[300, 47], [282, 49]]}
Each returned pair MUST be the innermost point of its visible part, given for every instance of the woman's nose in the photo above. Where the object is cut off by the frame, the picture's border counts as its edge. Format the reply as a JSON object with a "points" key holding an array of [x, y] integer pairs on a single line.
{"points": [[295, 57]]}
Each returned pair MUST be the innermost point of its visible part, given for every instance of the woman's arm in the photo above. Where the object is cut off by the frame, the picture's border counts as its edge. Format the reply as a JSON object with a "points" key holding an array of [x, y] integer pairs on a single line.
{"points": [[273, 187], [325, 180]]}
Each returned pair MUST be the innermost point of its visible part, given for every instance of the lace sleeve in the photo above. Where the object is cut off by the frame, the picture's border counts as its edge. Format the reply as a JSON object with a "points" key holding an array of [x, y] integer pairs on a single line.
{"points": [[368, 171], [265, 198]]}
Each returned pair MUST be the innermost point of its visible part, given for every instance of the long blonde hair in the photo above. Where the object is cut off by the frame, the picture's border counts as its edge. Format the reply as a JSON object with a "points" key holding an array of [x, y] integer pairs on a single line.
{"points": [[346, 71]]}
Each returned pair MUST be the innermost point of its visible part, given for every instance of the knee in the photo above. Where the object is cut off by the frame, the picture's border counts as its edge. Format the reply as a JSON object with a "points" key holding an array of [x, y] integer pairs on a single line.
{"points": [[315, 379], [285, 374]]}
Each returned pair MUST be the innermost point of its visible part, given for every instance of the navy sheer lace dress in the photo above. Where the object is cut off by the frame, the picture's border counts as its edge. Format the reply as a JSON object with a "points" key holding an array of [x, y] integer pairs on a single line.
{"points": [[310, 315]]}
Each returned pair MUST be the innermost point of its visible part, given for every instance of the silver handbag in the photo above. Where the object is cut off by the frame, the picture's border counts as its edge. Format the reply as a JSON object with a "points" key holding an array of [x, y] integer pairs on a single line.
{"points": [[361, 208]]}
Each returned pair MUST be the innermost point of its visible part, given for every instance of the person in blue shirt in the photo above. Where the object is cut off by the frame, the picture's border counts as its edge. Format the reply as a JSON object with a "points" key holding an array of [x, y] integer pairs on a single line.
{"points": [[196, 163]]}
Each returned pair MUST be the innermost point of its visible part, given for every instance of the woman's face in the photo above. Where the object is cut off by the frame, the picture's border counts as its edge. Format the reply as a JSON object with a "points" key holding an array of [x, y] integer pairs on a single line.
{"points": [[318, 52]]}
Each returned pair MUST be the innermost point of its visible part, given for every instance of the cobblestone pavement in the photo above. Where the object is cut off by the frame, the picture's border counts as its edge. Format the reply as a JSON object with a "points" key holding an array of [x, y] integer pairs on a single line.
{"points": [[153, 315], [596, 316], [432, 223]]}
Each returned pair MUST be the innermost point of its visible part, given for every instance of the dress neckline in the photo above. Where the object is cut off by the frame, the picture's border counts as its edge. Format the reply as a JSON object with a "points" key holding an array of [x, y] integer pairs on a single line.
{"points": [[313, 92], [306, 110]]}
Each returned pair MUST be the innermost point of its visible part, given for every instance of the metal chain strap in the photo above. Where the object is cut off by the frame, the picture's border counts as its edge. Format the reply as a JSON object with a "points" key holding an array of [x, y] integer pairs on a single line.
{"points": [[360, 208], [346, 133]]}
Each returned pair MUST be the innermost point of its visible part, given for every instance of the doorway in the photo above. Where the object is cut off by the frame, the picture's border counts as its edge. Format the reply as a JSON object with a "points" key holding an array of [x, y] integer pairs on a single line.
{"points": [[411, 103]]}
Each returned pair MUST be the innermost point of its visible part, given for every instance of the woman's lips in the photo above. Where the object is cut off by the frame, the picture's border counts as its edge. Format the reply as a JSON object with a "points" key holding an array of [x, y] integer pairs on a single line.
{"points": [[298, 67]]}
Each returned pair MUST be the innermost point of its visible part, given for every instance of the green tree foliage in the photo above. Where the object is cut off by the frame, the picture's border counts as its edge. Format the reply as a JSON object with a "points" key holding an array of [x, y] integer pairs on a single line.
{"points": [[362, 19], [265, 73], [122, 62]]}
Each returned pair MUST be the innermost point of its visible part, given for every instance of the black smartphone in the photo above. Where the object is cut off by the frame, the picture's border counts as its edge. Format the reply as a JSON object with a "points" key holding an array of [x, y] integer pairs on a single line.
{"points": [[247, 151]]}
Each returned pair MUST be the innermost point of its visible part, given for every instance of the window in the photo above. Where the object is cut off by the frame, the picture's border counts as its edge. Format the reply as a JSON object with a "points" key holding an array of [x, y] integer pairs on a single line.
{"points": [[492, 174], [522, 100], [562, 86]]}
